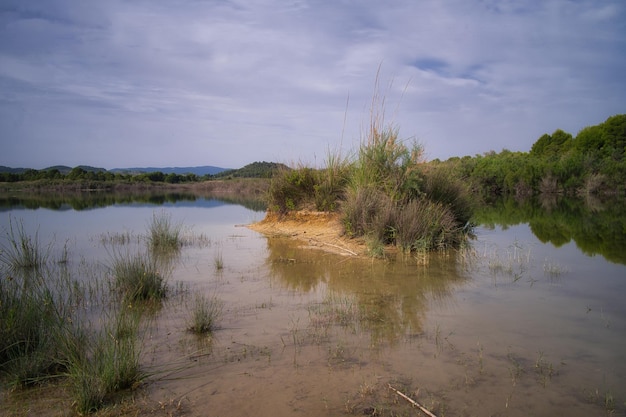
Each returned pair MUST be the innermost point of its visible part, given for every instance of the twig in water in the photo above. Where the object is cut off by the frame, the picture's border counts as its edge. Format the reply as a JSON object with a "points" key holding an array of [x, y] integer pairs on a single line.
{"points": [[340, 247], [413, 402]]}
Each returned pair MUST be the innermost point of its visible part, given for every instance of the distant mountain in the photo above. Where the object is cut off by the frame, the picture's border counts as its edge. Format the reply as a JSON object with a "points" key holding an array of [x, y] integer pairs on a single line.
{"points": [[63, 169], [200, 171], [10, 170]]}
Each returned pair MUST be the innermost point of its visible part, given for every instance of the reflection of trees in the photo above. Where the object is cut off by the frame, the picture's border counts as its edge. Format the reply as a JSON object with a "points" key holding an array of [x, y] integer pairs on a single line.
{"points": [[597, 228], [392, 297], [89, 200]]}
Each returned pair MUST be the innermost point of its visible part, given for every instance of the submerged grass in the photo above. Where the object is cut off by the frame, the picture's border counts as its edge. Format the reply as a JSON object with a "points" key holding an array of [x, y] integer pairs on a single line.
{"points": [[137, 276], [45, 327], [163, 234], [20, 251], [205, 314]]}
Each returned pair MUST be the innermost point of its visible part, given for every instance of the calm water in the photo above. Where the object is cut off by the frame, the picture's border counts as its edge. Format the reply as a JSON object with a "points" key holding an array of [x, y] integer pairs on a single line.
{"points": [[516, 325]]}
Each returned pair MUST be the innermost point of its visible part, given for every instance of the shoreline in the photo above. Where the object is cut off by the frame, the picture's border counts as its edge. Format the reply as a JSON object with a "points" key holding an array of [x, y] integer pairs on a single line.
{"points": [[313, 229]]}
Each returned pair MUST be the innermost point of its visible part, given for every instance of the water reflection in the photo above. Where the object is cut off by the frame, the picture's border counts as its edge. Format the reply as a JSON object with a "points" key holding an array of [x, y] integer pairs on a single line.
{"points": [[392, 298], [596, 227], [86, 200]]}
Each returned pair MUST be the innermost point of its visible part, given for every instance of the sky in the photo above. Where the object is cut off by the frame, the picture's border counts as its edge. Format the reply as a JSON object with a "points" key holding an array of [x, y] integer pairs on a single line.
{"points": [[121, 83]]}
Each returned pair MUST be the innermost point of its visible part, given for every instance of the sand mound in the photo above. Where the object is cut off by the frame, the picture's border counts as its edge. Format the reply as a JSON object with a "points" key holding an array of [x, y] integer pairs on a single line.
{"points": [[316, 229]]}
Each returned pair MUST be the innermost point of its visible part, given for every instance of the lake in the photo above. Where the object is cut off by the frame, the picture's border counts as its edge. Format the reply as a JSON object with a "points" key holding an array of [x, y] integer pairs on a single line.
{"points": [[528, 320]]}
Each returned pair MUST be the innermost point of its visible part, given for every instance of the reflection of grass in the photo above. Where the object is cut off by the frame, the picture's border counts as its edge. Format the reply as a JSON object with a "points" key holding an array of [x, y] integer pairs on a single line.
{"points": [[514, 262], [553, 270]]}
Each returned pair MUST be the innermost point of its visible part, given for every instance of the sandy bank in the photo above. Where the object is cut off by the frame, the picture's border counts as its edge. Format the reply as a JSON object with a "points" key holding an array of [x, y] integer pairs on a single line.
{"points": [[319, 230]]}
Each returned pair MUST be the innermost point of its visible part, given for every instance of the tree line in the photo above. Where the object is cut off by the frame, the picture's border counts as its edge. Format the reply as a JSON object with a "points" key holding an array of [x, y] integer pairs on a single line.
{"points": [[593, 162], [253, 170]]}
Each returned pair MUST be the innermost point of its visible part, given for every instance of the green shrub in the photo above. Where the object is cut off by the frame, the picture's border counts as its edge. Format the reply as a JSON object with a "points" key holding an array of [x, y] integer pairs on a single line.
{"points": [[425, 225], [442, 187], [291, 189]]}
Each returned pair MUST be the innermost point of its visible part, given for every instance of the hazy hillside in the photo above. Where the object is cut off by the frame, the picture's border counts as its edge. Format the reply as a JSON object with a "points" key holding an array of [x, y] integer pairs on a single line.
{"points": [[199, 170]]}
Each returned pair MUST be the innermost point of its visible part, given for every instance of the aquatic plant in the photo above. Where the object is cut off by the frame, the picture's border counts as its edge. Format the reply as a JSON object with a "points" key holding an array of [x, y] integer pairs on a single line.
{"points": [[205, 314], [102, 361], [21, 251], [137, 276], [163, 234], [218, 260]]}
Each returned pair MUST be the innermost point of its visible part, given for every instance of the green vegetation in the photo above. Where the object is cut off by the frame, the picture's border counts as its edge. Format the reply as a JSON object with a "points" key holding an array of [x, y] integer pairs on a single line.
{"points": [[206, 313], [593, 162], [98, 178], [137, 276], [55, 327], [163, 235], [253, 170], [386, 193]]}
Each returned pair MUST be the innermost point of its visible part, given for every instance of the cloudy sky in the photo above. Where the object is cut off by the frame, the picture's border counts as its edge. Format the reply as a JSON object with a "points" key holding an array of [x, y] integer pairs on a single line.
{"points": [[121, 83]]}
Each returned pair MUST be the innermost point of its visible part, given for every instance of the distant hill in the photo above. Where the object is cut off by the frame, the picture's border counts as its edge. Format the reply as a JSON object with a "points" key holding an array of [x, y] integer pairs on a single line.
{"points": [[253, 170], [10, 170], [200, 170], [63, 169]]}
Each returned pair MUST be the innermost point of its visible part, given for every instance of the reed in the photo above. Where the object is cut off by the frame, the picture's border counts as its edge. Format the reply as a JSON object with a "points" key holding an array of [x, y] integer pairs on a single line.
{"points": [[218, 260], [137, 276], [205, 314], [101, 361], [163, 234], [20, 251]]}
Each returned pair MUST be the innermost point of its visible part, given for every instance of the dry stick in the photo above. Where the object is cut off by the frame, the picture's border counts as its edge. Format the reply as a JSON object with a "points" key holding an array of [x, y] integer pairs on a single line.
{"points": [[336, 246], [339, 247], [413, 402]]}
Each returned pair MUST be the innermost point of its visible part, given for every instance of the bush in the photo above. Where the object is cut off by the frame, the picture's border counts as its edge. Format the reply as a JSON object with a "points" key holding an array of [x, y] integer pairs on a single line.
{"points": [[441, 187], [291, 189]]}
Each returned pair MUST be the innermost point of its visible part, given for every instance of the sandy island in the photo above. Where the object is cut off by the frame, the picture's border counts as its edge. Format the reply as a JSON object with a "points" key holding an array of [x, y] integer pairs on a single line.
{"points": [[319, 230]]}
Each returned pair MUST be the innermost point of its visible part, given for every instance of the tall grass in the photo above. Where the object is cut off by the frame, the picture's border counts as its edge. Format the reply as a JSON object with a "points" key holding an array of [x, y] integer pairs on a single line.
{"points": [[102, 359], [45, 327], [163, 234], [20, 251], [331, 182], [205, 314], [384, 193], [291, 189], [137, 276]]}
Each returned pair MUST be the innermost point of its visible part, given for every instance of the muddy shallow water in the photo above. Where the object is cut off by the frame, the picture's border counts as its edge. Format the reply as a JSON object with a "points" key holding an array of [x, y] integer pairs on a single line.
{"points": [[511, 326]]}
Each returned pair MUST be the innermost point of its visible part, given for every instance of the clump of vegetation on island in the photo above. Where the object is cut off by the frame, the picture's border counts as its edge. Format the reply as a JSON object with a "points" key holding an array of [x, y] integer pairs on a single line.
{"points": [[385, 193], [388, 194]]}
